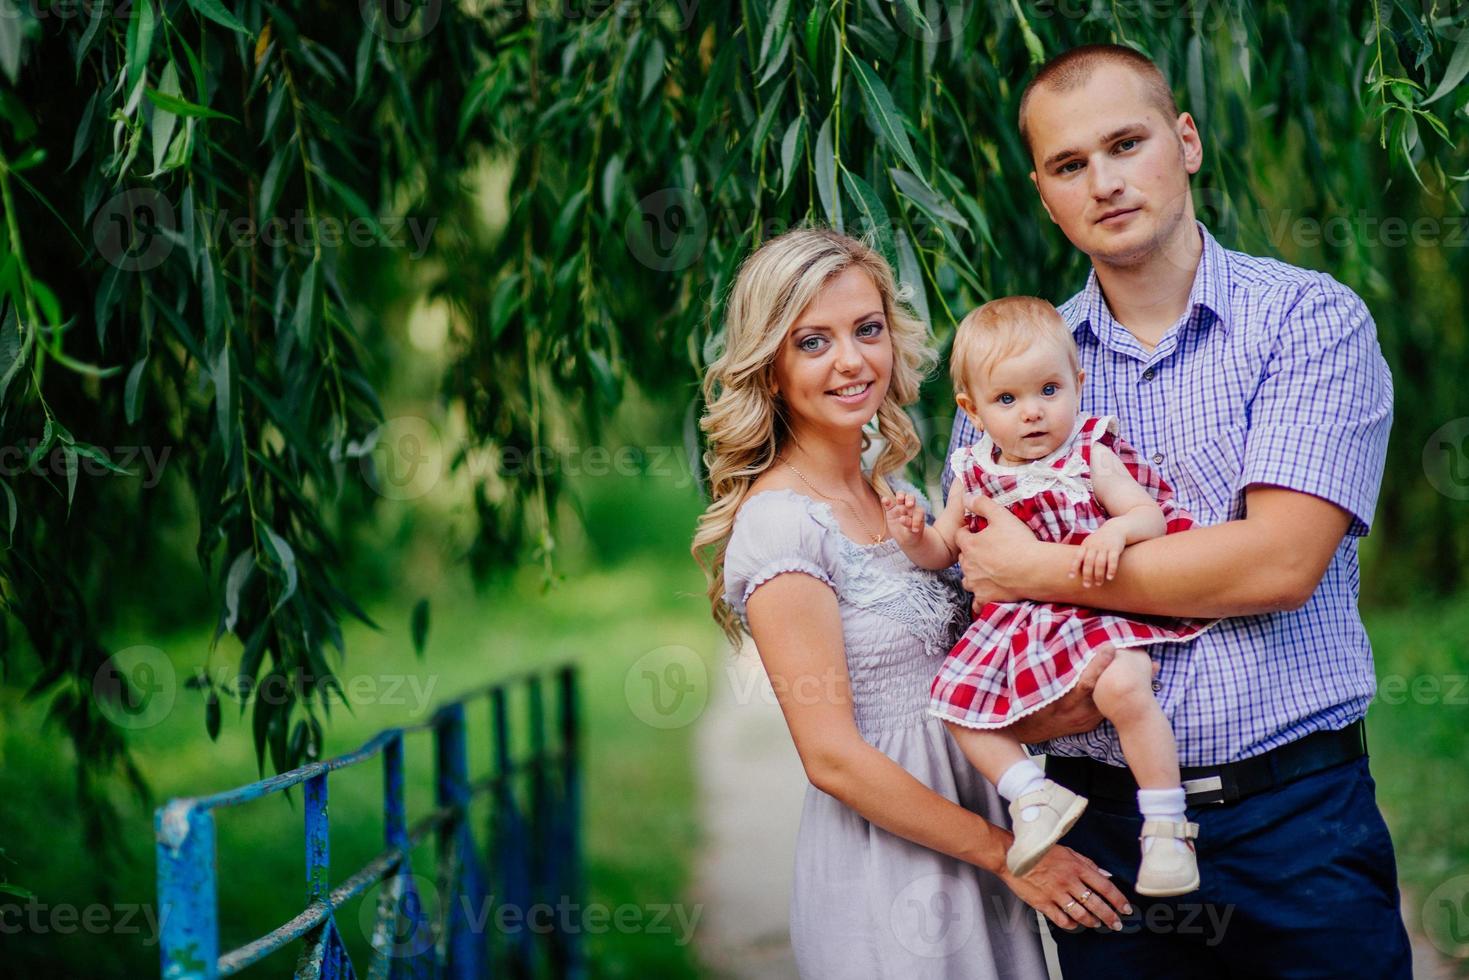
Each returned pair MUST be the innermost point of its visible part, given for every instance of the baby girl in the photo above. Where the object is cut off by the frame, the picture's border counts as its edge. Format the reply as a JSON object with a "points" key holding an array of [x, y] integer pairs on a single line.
{"points": [[1073, 481]]}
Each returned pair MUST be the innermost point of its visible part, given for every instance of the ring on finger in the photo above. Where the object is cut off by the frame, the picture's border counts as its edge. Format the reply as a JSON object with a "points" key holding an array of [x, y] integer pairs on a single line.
{"points": [[1067, 907], [1085, 896]]}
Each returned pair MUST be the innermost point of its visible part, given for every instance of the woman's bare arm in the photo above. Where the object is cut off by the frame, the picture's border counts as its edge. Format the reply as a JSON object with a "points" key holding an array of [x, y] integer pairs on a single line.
{"points": [[797, 630]]}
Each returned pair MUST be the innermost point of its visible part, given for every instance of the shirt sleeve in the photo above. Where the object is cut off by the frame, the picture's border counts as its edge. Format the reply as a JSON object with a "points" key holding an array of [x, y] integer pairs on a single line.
{"points": [[1320, 417], [774, 533], [963, 434]]}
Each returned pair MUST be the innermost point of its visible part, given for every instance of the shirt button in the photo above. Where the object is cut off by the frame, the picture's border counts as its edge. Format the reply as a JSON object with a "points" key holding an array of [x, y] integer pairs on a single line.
{"points": [[1157, 457], [1148, 374], [1157, 686]]}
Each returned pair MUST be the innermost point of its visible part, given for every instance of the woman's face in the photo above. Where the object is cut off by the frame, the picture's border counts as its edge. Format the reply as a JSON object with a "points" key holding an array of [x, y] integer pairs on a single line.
{"points": [[836, 361]]}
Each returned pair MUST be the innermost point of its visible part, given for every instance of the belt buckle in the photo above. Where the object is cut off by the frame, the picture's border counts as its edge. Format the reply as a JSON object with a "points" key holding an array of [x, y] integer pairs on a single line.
{"points": [[1207, 789]]}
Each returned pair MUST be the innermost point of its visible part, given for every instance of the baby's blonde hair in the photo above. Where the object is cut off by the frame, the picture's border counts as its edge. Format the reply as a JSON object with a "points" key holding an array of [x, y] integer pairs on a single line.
{"points": [[1003, 328]]}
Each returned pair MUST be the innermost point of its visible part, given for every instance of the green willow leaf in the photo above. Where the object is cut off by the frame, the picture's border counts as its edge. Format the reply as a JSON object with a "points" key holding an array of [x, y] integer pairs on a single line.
{"points": [[308, 306], [910, 274], [215, 11], [877, 221], [286, 558], [790, 151], [164, 121], [764, 124], [418, 625], [826, 176], [1454, 73], [885, 114], [776, 30], [935, 207], [132, 391], [183, 107]]}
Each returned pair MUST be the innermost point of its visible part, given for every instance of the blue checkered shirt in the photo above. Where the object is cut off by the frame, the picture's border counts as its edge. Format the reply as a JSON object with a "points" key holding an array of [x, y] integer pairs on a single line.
{"points": [[1273, 375]]}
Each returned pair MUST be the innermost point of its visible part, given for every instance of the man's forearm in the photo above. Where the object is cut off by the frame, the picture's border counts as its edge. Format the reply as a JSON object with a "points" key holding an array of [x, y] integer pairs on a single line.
{"points": [[1230, 569]]}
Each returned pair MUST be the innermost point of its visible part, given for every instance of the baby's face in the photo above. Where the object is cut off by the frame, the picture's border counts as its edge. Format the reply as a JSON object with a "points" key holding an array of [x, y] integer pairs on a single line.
{"points": [[1028, 403]]}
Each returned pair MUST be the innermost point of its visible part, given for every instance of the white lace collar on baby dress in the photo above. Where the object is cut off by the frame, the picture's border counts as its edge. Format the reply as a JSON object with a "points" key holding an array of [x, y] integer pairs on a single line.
{"points": [[1038, 475]]}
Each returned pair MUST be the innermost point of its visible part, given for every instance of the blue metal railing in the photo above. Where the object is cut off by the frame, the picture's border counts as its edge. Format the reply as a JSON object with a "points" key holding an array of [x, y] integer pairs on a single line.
{"points": [[532, 854]]}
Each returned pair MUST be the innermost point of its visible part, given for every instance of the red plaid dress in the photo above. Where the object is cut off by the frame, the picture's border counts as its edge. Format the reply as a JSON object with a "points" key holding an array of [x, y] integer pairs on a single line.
{"points": [[1018, 657]]}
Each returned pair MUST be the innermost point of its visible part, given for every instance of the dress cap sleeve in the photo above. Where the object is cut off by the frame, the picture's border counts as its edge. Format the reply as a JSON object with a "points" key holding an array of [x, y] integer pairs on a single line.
{"points": [[775, 531]]}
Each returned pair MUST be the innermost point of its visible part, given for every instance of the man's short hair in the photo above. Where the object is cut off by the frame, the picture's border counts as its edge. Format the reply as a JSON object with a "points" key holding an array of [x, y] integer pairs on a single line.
{"points": [[1072, 69], [1004, 328]]}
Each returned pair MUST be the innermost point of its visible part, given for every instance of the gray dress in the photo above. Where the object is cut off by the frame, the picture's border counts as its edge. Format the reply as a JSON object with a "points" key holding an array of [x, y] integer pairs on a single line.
{"points": [[867, 903]]}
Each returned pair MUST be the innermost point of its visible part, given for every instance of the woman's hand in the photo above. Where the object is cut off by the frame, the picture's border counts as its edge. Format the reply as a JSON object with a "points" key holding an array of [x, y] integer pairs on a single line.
{"points": [[1069, 889]]}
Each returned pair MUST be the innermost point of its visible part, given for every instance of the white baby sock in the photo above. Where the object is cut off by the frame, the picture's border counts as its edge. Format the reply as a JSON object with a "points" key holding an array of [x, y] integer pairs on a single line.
{"points": [[1163, 804], [1021, 778]]}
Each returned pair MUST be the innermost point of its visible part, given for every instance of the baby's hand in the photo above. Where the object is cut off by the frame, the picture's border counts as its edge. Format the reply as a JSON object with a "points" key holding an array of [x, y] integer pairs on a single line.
{"points": [[1098, 555], [905, 518]]}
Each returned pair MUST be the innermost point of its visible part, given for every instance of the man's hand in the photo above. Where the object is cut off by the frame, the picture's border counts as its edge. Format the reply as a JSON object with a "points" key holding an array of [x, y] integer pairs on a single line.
{"points": [[1070, 714], [1073, 712], [992, 559]]}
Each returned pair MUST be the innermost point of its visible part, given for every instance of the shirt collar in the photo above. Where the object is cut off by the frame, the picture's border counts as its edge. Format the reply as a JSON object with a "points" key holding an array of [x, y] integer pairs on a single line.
{"points": [[1210, 290]]}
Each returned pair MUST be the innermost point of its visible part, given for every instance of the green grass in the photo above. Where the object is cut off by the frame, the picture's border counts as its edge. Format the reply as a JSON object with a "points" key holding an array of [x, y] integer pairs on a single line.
{"points": [[1418, 737], [639, 825]]}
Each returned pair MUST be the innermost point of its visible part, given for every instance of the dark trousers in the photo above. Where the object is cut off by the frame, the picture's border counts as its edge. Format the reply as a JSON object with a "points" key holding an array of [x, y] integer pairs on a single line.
{"points": [[1298, 881]]}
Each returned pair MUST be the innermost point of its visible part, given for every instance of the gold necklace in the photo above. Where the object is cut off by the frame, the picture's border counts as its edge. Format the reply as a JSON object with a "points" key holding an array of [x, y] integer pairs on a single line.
{"points": [[876, 538]]}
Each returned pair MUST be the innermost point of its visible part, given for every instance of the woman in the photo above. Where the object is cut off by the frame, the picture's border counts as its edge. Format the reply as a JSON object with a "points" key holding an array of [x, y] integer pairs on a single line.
{"points": [[900, 862]]}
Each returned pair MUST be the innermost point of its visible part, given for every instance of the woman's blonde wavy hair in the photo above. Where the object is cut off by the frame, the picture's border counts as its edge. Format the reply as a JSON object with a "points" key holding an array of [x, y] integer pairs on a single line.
{"points": [[745, 423]]}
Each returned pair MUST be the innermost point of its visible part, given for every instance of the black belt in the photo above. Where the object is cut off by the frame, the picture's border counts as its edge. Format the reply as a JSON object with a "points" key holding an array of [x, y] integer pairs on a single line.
{"points": [[1219, 784]]}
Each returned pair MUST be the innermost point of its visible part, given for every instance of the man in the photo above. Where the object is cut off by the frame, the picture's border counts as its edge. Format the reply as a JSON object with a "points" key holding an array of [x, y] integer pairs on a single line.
{"points": [[1260, 391]]}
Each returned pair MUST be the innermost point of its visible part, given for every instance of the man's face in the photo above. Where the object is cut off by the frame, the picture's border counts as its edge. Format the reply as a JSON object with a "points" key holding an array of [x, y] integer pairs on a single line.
{"points": [[1111, 170]]}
